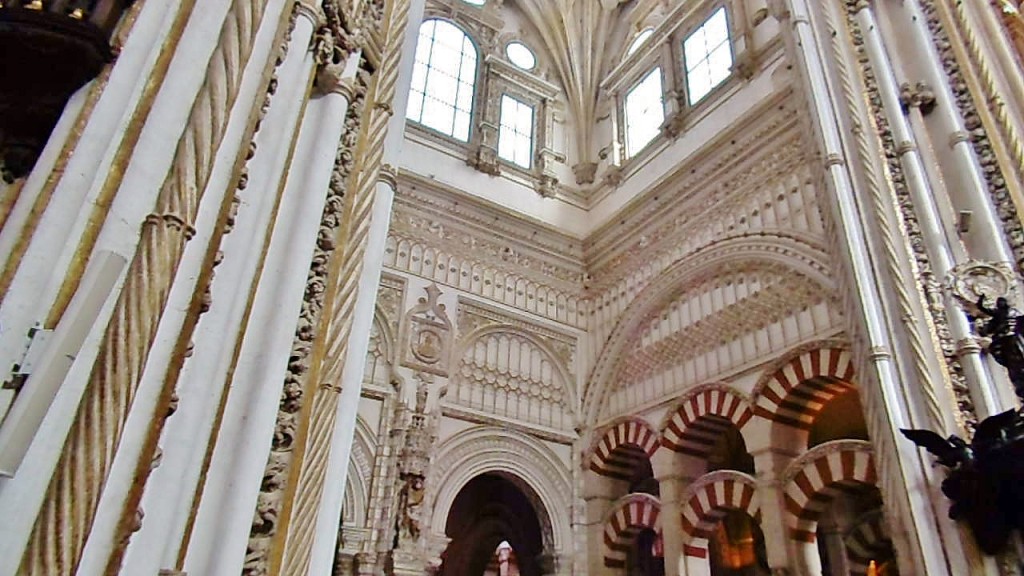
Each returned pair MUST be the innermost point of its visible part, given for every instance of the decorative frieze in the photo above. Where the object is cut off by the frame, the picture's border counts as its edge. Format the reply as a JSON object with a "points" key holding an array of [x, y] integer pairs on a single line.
{"points": [[460, 243]]}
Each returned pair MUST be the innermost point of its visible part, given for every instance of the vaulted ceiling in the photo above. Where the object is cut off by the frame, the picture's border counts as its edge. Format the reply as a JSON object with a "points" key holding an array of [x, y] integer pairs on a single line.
{"points": [[576, 34]]}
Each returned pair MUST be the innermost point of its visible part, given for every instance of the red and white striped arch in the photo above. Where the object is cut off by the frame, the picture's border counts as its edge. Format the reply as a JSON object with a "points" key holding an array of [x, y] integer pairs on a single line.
{"points": [[708, 500], [622, 447], [819, 476], [869, 540], [701, 418], [631, 515], [797, 392]]}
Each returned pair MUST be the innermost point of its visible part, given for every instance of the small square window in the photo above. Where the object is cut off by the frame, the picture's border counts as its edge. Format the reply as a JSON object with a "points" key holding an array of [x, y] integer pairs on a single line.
{"points": [[644, 111], [708, 55], [515, 133]]}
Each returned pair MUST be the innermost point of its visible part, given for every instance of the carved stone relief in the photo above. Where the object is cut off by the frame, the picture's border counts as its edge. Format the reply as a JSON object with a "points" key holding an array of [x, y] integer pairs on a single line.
{"points": [[974, 279], [513, 369], [426, 342]]}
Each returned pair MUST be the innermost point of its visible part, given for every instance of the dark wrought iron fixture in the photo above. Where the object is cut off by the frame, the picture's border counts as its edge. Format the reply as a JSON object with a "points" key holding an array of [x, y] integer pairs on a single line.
{"points": [[50, 48], [985, 479]]}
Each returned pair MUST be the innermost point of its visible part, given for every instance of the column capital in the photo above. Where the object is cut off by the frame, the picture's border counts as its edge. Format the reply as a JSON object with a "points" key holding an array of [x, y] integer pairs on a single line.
{"points": [[389, 176], [312, 11]]}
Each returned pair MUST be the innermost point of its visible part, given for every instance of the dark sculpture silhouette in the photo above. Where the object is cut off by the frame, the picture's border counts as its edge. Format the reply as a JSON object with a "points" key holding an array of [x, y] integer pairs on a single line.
{"points": [[986, 477], [1005, 327]]}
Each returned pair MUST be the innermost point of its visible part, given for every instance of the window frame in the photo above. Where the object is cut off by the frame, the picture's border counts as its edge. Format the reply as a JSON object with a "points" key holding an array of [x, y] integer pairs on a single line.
{"points": [[476, 90], [648, 73], [533, 129], [684, 64]]}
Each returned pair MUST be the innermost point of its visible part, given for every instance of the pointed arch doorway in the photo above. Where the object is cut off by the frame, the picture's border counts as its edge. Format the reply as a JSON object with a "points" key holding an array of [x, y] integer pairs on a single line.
{"points": [[495, 510]]}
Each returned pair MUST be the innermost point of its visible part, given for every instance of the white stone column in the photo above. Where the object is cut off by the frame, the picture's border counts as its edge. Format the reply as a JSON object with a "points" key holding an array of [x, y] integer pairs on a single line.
{"points": [[831, 536], [598, 498], [674, 473], [225, 512], [52, 248], [42, 417], [965, 179], [900, 463], [936, 242], [769, 466], [985, 239], [169, 497], [329, 514], [597, 507], [84, 174]]}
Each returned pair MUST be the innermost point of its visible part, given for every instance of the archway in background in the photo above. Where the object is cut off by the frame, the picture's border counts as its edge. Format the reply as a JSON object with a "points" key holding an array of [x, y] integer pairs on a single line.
{"points": [[491, 509]]}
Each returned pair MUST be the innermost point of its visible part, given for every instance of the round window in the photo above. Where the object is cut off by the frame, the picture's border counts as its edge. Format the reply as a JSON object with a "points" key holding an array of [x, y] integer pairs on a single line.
{"points": [[520, 55]]}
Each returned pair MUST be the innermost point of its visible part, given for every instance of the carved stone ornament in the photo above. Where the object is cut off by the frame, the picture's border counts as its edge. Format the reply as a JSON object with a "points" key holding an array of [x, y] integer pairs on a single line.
{"points": [[974, 279], [426, 344]]}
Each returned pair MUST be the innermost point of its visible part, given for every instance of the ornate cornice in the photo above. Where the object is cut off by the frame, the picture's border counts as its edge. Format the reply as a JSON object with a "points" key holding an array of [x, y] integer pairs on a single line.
{"points": [[756, 152]]}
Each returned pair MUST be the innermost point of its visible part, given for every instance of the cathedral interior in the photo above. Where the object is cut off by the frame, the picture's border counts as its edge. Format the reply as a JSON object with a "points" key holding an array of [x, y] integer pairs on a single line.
{"points": [[501, 287]]}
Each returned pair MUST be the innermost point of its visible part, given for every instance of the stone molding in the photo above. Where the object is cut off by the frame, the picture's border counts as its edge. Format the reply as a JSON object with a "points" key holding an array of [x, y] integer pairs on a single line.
{"points": [[483, 449]]}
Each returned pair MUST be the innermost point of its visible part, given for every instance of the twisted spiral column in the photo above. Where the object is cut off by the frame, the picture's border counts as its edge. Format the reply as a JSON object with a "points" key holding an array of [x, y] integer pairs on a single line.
{"points": [[69, 507]]}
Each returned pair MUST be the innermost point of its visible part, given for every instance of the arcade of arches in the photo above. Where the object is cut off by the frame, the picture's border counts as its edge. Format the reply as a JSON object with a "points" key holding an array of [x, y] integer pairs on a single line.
{"points": [[507, 287]]}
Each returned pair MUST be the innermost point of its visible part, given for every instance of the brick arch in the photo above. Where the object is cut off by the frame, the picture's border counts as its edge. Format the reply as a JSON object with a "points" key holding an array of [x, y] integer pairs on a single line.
{"points": [[622, 446], [797, 390], [708, 500], [701, 416], [814, 479], [629, 516], [868, 540]]}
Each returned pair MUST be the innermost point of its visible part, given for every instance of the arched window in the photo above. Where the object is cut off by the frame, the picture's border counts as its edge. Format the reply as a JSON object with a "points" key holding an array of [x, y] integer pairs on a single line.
{"points": [[441, 96]]}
